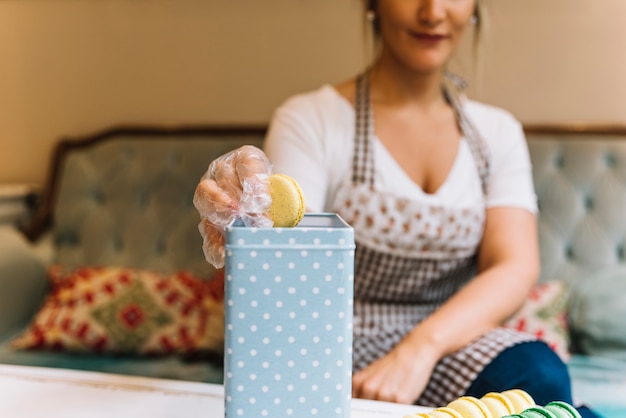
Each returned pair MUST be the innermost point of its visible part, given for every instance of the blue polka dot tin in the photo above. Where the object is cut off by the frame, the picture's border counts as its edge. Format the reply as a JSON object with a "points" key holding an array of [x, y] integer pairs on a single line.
{"points": [[288, 324]]}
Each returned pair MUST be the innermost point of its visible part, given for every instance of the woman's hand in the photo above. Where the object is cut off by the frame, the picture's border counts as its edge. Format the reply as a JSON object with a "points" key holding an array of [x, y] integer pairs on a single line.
{"points": [[400, 376], [508, 265], [235, 186]]}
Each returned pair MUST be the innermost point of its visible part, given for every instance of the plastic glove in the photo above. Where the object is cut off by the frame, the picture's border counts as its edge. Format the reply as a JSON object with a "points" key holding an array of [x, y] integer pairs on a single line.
{"points": [[235, 186]]}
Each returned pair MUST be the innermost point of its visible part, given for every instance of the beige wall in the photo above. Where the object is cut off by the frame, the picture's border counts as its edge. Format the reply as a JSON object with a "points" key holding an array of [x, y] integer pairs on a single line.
{"points": [[557, 60], [74, 66]]}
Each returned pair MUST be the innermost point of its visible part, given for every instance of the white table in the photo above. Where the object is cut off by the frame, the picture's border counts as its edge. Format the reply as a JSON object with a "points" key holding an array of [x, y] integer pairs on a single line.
{"points": [[37, 392]]}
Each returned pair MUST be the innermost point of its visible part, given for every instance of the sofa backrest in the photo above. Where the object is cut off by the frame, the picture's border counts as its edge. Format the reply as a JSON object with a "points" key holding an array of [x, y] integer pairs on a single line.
{"points": [[125, 196], [580, 181]]}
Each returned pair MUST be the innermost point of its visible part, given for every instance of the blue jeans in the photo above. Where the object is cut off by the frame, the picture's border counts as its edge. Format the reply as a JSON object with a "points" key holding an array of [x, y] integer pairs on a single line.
{"points": [[533, 367]]}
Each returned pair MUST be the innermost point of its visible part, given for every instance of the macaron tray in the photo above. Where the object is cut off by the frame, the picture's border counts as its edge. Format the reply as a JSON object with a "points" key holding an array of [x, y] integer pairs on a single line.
{"points": [[514, 403]]}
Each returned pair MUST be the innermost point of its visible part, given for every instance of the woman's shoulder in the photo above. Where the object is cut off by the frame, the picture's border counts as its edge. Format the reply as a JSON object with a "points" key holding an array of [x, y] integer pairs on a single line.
{"points": [[498, 126], [487, 115], [323, 100], [324, 113]]}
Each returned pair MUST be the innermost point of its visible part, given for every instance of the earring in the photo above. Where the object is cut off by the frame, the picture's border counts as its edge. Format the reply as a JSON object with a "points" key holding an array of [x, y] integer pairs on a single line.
{"points": [[370, 15], [473, 20]]}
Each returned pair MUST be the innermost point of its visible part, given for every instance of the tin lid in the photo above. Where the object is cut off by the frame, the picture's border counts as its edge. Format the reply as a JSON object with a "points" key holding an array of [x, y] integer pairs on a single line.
{"points": [[319, 230]]}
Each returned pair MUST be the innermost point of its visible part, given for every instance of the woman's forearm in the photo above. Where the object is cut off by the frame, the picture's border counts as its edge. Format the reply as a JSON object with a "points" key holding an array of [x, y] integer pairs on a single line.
{"points": [[508, 268]]}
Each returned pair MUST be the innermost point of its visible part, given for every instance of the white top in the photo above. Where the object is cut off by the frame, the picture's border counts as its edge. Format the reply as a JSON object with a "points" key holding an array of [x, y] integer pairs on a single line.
{"points": [[311, 138]]}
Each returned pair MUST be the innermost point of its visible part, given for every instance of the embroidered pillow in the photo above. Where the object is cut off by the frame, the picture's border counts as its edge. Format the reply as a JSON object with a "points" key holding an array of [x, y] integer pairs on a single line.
{"points": [[545, 315], [128, 311]]}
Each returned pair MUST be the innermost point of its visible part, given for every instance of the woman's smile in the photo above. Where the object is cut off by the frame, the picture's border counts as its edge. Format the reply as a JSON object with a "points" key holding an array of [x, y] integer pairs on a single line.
{"points": [[429, 39], [421, 35]]}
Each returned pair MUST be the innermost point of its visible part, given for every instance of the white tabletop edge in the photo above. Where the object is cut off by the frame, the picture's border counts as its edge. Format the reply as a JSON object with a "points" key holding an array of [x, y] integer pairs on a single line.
{"points": [[83, 380]]}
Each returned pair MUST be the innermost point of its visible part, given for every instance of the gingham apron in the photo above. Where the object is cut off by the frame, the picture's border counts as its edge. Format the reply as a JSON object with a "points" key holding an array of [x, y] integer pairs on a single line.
{"points": [[411, 256]]}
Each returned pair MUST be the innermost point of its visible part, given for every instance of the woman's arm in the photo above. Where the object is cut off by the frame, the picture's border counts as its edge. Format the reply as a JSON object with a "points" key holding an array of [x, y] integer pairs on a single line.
{"points": [[508, 267], [310, 140]]}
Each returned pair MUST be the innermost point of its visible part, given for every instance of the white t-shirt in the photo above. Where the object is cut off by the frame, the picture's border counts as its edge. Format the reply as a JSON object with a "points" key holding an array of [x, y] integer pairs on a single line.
{"points": [[311, 138]]}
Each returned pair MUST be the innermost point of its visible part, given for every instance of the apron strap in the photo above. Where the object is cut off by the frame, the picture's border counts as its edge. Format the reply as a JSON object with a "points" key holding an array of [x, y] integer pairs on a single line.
{"points": [[475, 140], [363, 159]]}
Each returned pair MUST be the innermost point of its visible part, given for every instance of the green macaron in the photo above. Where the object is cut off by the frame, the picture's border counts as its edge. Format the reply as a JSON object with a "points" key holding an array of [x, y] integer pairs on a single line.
{"points": [[562, 409], [538, 412]]}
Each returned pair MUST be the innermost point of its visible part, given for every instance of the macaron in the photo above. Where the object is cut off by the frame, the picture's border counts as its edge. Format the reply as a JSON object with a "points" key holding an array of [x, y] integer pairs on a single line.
{"points": [[520, 399], [418, 415], [562, 409], [287, 207], [498, 404], [445, 412], [537, 412], [470, 407]]}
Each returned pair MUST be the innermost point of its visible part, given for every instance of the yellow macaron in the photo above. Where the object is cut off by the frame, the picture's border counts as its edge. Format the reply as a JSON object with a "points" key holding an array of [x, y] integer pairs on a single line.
{"points": [[498, 404], [520, 399], [445, 412], [288, 205], [470, 407]]}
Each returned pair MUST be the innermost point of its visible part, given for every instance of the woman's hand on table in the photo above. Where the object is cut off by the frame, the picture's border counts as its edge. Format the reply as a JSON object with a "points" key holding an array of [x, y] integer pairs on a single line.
{"points": [[400, 376]]}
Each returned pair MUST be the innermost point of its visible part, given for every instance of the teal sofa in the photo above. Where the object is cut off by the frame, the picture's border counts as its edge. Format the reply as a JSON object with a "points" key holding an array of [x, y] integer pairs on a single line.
{"points": [[123, 196], [120, 197], [580, 178]]}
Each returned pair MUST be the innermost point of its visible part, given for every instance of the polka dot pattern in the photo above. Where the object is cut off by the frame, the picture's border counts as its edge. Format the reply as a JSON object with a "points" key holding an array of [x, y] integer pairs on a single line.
{"points": [[288, 330]]}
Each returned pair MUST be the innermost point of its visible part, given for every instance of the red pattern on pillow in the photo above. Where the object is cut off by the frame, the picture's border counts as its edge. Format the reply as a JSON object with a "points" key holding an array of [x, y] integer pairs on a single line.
{"points": [[128, 311], [545, 315]]}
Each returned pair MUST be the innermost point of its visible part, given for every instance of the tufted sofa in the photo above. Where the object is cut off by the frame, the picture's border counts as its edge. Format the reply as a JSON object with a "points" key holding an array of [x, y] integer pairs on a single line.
{"points": [[124, 197], [580, 179], [120, 197]]}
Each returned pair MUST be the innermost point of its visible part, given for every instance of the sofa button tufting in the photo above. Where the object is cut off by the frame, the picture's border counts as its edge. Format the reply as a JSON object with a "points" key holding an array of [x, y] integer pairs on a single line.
{"points": [[610, 160], [588, 203], [98, 197], [160, 247], [143, 198], [70, 239], [175, 158], [620, 251], [559, 161], [569, 253]]}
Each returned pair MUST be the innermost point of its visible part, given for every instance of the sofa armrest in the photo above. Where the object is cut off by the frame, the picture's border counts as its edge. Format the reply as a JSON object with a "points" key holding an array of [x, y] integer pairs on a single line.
{"points": [[22, 280]]}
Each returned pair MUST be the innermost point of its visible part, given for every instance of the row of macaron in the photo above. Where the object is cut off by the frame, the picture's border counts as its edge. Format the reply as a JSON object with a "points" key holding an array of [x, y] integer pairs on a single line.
{"points": [[514, 403]]}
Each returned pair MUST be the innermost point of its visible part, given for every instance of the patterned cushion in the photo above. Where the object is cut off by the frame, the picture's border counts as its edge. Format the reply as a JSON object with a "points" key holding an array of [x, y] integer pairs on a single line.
{"points": [[545, 315], [128, 311]]}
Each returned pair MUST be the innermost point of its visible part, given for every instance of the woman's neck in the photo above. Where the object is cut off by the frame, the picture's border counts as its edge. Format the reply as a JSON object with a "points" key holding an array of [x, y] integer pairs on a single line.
{"points": [[391, 84]]}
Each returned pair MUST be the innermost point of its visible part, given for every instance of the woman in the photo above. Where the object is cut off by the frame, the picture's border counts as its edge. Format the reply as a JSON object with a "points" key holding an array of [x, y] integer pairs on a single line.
{"points": [[439, 191]]}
